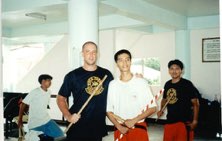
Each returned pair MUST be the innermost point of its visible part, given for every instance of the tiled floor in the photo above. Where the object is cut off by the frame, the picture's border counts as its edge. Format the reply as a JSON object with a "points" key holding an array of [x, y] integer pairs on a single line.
{"points": [[155, 134]]}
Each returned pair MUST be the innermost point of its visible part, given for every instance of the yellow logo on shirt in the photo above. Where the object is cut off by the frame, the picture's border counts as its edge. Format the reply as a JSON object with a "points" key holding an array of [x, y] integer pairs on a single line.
{"points": [[172, 95], [92, 83]]}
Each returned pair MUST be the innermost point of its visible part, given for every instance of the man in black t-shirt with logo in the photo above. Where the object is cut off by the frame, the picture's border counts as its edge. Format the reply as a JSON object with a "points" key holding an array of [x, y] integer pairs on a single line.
{"points": [[81, 83], [181, 99]]}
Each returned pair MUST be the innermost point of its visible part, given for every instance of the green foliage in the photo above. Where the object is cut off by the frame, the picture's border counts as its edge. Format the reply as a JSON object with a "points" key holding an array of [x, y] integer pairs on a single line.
{"points": [[153, 81], [152, 63]]}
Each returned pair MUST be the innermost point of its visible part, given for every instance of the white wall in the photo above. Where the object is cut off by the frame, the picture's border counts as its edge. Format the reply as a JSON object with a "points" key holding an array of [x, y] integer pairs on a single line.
{"points": [[205, 75], [54, 63], [107, 49], [161, 45]]}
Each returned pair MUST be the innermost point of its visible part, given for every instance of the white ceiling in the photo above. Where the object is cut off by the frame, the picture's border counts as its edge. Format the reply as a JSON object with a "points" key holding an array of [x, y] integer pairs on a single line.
{"points": [[133, 14], [189, 8]]}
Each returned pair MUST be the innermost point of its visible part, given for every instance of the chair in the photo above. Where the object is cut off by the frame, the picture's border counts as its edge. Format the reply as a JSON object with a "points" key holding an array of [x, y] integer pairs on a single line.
{"points": [[11, 110]]}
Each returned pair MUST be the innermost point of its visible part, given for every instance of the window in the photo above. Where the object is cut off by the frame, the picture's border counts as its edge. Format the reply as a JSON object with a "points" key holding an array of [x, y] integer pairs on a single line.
{"points": [[149, 68], [18, 61], [21, 55]]}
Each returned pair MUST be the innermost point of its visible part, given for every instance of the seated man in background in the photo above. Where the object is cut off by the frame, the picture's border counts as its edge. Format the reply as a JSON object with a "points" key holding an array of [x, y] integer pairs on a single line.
{"points": [[39, 119]]}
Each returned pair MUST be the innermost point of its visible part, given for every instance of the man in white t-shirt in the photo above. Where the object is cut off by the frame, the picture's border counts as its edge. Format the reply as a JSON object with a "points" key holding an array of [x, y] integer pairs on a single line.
{"points": [[128, 98], [37, 101]]}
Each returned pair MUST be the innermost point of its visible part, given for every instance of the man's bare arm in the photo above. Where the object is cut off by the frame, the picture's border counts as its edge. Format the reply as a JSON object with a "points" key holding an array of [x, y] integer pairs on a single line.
{"points": [[22, 108], [119, 126], [160, 112], [148, 112], [196, 105], [63, 106]]}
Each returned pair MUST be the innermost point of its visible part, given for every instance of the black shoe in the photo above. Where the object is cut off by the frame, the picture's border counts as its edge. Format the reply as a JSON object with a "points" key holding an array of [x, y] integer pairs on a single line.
{"points": [[44, 137]]}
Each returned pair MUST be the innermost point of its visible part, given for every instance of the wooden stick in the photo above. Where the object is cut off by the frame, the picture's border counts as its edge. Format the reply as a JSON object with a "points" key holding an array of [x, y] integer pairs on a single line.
{"points": [[168, 100], [21, 134], [87, 101]]}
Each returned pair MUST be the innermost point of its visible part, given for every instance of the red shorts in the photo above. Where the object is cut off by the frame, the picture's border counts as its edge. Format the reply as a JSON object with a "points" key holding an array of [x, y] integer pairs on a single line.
{"points": [[177, 132], [135, 134]]}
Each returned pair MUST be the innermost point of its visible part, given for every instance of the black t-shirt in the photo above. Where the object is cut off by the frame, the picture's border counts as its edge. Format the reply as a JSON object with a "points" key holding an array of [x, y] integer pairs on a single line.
{"points": [[180, 106], [81, 83]]}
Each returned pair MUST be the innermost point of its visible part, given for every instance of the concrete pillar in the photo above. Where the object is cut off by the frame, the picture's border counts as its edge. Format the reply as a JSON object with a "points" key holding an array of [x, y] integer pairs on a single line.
{"points": [[1, 81], [182, 50], [83, 26]]}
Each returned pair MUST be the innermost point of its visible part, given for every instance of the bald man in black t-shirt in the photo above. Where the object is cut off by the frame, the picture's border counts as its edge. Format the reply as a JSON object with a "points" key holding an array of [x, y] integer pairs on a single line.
{"points": [[80, 83]]}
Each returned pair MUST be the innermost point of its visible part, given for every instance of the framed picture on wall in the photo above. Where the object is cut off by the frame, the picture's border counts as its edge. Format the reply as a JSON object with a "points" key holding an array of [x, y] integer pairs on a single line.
{"points": [[211, 49]]}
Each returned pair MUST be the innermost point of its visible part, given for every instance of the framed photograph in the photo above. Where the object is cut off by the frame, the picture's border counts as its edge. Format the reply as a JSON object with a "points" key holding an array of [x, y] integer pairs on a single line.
{"points": [[211, 49]]}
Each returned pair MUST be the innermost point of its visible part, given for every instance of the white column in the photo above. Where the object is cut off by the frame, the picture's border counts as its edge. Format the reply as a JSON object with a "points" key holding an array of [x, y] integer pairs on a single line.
{"points": [[83, 26], [1, 81], [182, 50]]}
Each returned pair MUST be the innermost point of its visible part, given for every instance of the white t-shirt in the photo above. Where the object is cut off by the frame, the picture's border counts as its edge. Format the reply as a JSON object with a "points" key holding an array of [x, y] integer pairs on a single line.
{"points": [[38, 100], [128, 99]]}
